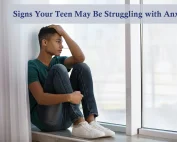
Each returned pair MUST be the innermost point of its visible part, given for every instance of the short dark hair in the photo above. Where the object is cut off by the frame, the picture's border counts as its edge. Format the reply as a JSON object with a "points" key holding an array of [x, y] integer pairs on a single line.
{"points": [[45, 33]]}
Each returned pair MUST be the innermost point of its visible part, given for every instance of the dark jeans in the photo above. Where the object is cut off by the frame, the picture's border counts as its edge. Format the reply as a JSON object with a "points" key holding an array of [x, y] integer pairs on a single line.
{"points": [[61, 116]]}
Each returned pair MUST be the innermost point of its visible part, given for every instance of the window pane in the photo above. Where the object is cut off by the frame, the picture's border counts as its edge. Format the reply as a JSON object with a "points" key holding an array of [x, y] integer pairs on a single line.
{"points": [[160, 74], [160, 77]]}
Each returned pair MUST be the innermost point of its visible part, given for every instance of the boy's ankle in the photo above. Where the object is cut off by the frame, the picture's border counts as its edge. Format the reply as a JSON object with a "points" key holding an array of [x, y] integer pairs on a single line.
{"points": [[81, 119]]}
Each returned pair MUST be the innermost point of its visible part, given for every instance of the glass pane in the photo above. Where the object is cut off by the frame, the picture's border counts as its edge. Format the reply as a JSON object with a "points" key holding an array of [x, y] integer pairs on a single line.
{"points": [[160, 77], [160, 74]]}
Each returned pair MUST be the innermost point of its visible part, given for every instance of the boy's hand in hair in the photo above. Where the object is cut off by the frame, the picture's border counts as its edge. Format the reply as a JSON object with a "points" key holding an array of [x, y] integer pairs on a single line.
{"points": [[58, 28]]}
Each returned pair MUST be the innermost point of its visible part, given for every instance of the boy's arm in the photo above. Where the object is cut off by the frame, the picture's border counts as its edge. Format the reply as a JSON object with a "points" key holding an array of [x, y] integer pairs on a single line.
{"points": [[46, 98], [77, 54], [53, 99]]}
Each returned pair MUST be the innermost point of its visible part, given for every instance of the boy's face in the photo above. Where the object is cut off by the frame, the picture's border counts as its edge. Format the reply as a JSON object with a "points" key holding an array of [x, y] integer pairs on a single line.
{"points": [[54, 45]]}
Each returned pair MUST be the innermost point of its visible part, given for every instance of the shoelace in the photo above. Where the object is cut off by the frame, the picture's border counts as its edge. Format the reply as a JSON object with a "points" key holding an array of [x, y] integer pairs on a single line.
{"points": [[99, 126], [87, 126]]}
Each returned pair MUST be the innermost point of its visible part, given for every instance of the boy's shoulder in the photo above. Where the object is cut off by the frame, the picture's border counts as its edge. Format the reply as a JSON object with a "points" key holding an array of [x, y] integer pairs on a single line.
{"points": [[58, 59], [32, 62]]}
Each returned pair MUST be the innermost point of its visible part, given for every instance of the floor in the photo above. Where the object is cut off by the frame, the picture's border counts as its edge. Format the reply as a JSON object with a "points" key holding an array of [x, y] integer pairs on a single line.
{"points": [[65, 136]]}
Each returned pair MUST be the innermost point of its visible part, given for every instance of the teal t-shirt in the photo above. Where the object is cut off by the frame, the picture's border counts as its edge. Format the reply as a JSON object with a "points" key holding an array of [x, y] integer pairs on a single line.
{"points": [[37, 71]]}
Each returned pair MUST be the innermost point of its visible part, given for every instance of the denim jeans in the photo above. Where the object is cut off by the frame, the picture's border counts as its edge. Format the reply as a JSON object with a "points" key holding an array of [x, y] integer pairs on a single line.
{"points": [[61, 116]]}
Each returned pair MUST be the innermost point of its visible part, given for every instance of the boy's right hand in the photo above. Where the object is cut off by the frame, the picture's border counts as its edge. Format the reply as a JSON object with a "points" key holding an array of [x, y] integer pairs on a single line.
{"points": [[75, 97], [58, 28]]}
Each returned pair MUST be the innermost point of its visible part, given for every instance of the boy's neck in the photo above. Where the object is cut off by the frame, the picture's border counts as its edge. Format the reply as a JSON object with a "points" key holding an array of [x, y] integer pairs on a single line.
{"points": [[44, 58]]}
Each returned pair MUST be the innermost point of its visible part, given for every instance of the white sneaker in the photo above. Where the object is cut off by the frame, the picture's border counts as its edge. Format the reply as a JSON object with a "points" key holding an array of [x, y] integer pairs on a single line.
{"points": [[97, 126], [84, 130]]}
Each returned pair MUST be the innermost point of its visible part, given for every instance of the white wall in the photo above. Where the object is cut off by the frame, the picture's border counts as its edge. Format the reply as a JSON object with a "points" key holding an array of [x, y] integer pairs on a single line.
{"points": [[18, 44]]}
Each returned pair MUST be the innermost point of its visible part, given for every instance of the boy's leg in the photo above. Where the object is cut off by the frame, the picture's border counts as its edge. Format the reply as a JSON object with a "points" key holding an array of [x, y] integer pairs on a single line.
{"points": [[62, 115], [81, 79], [59, 116]]}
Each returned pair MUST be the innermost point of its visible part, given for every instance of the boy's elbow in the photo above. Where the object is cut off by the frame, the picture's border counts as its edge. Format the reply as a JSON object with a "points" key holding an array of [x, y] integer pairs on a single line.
{"points": [[40, 102], [81, 59]]}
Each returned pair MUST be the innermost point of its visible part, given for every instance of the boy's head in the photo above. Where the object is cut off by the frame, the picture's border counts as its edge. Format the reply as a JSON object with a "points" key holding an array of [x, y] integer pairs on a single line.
{"points": [[50, 41]]}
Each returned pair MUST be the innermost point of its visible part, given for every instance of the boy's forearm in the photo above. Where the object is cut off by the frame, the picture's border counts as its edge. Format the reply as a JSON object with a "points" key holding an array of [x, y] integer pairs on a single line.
{"points": [[53, 99], [74, 48]]}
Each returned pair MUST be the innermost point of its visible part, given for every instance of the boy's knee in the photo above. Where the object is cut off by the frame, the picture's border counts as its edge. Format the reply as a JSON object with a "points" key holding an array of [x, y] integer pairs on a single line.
{"points": [[59, 67], [82, 65]]}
